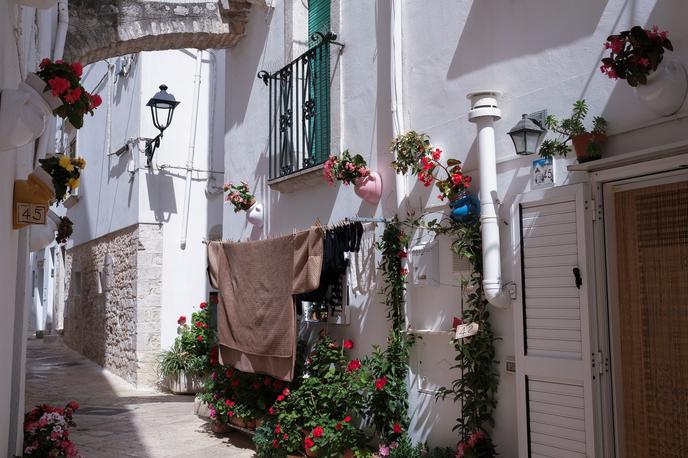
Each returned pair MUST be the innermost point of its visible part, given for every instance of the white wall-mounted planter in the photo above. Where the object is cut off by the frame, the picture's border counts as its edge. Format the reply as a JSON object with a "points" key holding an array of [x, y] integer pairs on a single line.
{"points": [[24, 112], [42, 235], [666, 88], [40, 4], [256, 215]]}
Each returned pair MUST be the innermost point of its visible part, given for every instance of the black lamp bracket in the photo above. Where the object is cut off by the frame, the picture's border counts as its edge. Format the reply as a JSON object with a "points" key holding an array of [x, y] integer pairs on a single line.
{"points": [[151, 145]]}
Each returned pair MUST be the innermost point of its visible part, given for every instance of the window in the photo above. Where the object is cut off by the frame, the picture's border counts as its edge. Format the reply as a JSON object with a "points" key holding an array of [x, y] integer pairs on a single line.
{"points": [[299, 101]]}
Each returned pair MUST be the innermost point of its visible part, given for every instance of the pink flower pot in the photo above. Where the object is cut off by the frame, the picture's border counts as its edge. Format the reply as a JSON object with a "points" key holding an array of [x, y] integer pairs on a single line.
{"points": [[369, 188]]}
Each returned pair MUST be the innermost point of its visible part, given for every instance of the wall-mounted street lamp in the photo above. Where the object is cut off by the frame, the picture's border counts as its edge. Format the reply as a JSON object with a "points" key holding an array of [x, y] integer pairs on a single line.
{"points": [[528, 132], [162, 106]]}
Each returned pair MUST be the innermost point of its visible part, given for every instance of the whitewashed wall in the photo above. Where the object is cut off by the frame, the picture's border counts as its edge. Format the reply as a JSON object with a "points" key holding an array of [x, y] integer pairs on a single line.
{"points": [[540, 54], [25, 37]]}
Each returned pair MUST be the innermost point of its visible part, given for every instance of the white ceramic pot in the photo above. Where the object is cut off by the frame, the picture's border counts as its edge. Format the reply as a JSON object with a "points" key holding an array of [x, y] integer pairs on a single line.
{"points": [[40, 4], [255, 215], [184, 384], [42, 235], [666, 88], [23, 115], [38, 85]]}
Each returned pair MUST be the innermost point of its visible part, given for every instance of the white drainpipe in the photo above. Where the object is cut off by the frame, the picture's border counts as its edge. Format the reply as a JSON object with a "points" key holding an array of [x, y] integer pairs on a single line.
{"points": [[484, 112], [397, 91], [192, 148]]}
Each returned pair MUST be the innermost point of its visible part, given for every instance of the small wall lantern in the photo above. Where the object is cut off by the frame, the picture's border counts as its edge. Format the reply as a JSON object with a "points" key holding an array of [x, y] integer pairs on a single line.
{"points": [[162, 106], [528, 132]]}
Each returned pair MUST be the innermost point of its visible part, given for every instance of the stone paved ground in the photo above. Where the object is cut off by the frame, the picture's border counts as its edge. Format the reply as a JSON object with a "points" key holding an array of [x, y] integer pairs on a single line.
{"points": [[116, 420]]}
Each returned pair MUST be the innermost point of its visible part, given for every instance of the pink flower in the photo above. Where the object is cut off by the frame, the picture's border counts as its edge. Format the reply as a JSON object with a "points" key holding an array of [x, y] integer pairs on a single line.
{"points": [[436, 154], [348, 344], [58, 86], [457, 178], [384, 450]]}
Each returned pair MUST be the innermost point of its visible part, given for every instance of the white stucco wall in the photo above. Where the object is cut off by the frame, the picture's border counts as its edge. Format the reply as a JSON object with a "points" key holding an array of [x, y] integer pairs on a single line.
{"points": [[540, 54], [19, 53]]}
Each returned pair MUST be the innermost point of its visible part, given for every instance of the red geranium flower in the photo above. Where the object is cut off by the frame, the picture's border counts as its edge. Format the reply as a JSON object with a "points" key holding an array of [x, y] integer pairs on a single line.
{"points": [[77, 68], [199, 338], [396, 428], [354, 364], [286, 392], [380, 383], [274, 443], [278, 429], [402, 254], [317, 431], [308, 442], [58, 86], [203, 305], [280, 398], [348, 344], [44, 63], [338, 426], [181, 321], [96, 100], [347, 419]]}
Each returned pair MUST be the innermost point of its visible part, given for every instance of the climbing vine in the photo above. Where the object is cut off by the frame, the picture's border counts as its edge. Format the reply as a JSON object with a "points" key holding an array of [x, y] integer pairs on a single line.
{"points": [[476, 386], [389, 401]]}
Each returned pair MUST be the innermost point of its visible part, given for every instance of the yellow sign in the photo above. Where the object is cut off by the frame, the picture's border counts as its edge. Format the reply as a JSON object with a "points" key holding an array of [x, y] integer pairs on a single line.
{"points": [[31, 213]]}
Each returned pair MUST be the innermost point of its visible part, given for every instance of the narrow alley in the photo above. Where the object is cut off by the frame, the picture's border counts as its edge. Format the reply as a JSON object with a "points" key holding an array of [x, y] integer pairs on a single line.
{"points": [[116, 420]]}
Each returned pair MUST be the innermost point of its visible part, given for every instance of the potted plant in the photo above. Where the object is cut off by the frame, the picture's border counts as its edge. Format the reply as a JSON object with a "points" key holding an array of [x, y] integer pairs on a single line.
{"points": [[353, 169], [320, 416], [46, 431], [183, 366], [587, 144], [65, 227], [636, 55], [242, 200], [60, 84], [63, 171]]}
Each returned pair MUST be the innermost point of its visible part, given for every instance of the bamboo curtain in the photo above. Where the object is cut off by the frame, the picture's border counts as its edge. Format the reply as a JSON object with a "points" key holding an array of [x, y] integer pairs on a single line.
{"points": [[652, 254]]}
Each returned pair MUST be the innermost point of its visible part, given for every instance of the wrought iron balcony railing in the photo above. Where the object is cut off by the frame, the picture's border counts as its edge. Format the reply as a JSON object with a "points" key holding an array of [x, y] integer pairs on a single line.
{"points": [[299, 110]]}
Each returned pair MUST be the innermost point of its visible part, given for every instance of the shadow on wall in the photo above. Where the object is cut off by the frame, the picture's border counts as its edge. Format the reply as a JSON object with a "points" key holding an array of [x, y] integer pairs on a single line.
{"points": [[624, 112], [242, 66], [161, 197], [536, 25]]}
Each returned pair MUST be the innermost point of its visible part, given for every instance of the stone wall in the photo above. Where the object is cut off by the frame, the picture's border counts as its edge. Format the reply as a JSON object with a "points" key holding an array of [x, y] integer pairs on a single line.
{"points": [[112, 313]]}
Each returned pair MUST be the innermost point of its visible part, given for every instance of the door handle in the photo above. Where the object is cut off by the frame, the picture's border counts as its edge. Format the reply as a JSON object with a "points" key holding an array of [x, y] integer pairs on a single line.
{"points": [[577, 276]]}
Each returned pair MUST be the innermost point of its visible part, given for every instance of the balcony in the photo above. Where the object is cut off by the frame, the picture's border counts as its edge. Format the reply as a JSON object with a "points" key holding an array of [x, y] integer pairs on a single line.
{"points": [[299, 111]]}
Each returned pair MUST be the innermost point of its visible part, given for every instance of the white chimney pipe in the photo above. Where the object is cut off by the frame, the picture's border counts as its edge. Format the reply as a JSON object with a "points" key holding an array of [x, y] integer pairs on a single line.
{"points": [[484, 112]]}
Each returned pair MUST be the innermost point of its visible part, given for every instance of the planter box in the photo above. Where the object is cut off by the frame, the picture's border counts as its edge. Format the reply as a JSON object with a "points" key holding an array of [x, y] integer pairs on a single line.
{"points": [[184, 384]]}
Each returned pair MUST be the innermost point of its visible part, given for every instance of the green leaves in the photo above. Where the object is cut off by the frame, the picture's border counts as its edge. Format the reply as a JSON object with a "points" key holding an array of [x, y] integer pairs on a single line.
{"points": [[409, 148], [569, 128]]}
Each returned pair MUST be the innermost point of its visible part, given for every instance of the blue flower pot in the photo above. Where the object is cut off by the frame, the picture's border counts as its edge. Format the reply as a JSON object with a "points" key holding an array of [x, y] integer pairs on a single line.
{"points": [[464, 208]]}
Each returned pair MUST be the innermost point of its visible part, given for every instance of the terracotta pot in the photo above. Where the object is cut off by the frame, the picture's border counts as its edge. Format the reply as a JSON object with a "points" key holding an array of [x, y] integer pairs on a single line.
{"points": [[369, 188], [311, 454], [665, 89], [581, 142], [242, 423], [219, 428], [348, 453]]}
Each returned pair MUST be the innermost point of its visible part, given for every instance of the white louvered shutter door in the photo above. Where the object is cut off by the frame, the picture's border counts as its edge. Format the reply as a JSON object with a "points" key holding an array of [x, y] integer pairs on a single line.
{"points": [[552, 325]]}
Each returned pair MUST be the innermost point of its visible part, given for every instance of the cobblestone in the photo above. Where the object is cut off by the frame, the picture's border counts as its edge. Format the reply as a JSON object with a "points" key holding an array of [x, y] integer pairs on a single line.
{"points": [[117, 420]]}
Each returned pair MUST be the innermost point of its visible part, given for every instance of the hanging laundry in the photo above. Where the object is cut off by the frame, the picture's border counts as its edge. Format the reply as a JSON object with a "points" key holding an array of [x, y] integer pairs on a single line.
{"points": [[256, 316], [362, 262], [338, 241]]}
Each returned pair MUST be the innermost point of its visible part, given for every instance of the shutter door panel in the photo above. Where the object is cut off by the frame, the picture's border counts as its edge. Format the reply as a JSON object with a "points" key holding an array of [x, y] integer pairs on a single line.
{"points": [[319, 125], [553, 362]]}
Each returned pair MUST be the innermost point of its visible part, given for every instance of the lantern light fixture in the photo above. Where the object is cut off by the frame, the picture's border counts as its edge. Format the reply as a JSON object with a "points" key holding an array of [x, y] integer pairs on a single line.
{"points": [[162, 106], [528, 133]]}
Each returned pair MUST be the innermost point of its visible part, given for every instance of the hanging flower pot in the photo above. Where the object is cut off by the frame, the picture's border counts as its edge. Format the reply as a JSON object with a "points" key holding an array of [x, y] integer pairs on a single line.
{"points": [[24, 113], [464, 207], [369, 188], [665, 90], [588, 146], [42, 235], [255, 214]]}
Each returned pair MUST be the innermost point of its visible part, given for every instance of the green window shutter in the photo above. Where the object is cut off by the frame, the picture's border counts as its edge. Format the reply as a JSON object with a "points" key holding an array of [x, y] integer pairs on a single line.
{"points": [[319, 21]]}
